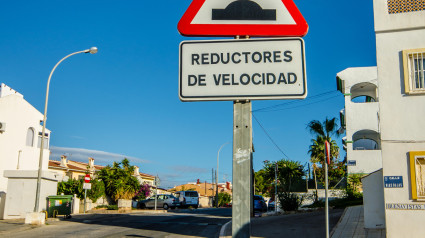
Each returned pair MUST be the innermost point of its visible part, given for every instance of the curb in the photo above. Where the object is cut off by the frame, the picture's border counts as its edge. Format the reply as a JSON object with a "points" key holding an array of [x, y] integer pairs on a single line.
{"points": [[223, 229], [337, 224]]}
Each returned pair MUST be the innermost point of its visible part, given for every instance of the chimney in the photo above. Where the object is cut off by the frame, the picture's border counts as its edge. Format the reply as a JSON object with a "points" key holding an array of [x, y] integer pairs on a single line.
{"points": [[91, 163], [228, 185], [136, 170], [64, 161]]}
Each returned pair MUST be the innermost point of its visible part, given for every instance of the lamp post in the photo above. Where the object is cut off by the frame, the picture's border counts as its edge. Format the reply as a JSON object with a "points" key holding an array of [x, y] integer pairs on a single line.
{"points": [[92, 50], [216, 177]]}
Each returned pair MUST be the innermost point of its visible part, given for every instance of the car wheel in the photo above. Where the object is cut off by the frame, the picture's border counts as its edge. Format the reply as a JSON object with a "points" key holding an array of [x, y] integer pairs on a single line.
{"points": [[196, 207], [143, 206], [166, 206]]}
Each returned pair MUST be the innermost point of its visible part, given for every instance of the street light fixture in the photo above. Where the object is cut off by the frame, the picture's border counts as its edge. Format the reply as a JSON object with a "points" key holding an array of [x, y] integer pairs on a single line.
{"points": [[216, 176], [92, 50]]}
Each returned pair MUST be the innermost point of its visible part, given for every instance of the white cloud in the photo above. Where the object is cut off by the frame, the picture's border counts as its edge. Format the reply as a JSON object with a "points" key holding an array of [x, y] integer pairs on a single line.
{"points": [[101, 157]]}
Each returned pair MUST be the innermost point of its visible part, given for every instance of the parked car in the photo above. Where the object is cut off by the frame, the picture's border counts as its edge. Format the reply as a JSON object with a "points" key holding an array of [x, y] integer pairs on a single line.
{"points": [[165, 201], [259, 204], [271, 205], [188, 198]]}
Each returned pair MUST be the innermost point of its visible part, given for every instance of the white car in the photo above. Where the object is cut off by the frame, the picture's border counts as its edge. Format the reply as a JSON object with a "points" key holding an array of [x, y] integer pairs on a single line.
{"points": [[188, 198], [165, 201]]}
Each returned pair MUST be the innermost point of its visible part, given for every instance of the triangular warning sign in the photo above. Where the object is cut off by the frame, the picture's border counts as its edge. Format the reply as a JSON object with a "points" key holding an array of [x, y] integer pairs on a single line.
{"points": [[243, 18]]}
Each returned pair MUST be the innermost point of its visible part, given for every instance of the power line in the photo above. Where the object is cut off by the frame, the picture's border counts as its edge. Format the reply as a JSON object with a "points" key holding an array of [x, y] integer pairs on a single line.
{"points": [[307, 104], [296, 101], [270, 138]]}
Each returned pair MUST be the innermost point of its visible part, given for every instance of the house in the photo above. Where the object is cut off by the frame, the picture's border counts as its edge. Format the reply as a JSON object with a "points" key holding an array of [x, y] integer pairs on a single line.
{"points": [[20, 140], [204, 189], [397, 191], [400, 53], [360, 119], [69, 169]]}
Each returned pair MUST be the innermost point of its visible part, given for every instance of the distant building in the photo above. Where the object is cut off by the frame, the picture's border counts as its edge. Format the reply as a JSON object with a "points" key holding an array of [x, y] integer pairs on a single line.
{"points": [[69, 169], [204, 189], [20, 140]]}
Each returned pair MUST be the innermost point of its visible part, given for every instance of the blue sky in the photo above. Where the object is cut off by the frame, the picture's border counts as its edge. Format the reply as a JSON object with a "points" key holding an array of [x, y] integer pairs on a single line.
{"points": [[124, 101]]}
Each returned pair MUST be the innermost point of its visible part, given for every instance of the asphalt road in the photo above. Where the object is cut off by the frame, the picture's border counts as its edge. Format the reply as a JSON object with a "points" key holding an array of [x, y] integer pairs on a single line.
{"points": [[198, 223], [179, 223]]}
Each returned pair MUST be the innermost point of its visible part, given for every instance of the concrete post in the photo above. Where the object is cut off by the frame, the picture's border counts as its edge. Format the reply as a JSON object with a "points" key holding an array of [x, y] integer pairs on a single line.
{"points": [[242, 173]]}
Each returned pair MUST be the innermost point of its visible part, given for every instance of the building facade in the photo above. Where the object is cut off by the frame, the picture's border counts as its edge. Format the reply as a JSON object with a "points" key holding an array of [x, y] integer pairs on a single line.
{"points": [[20, 140], [360, 119], [400, 52]]}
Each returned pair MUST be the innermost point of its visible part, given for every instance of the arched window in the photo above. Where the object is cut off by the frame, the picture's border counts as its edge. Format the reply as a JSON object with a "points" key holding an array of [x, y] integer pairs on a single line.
{"points": [[30, 137]]}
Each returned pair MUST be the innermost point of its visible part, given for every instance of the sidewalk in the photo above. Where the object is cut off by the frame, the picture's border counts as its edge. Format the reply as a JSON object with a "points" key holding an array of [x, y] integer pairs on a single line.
{"points": [[10, 226], [351, 224]]}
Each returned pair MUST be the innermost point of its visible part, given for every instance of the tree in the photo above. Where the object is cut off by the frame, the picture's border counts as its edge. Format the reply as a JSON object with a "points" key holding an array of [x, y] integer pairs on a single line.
{"points": [[73, 186], [119, 180], [289, 173], [324, 132]]}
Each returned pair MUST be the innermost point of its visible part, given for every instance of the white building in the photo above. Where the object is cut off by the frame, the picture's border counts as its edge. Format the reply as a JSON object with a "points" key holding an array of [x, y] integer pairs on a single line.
{"points": [[400, 52], [398, 197], [360, 119], [20, 139]]}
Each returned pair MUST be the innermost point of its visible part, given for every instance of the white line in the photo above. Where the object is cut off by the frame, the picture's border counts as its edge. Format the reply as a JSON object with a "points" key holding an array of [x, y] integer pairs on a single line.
{"points": [[223, 229]]}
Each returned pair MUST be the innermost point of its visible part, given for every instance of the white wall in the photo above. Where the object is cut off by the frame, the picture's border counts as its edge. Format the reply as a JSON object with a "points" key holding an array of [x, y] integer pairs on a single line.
{"points": [[367, 161], [19, 115], [21, 192], [401, 116], [373, 200]]}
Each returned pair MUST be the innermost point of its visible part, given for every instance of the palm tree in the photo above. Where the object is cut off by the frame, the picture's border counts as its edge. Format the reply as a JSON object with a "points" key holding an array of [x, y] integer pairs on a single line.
{"points": [[323, 132], [325, 129]]}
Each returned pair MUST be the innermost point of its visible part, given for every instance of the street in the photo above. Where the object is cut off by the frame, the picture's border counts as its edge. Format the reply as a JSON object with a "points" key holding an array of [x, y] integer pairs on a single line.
{"points": [[179, 223], [199, 223]]}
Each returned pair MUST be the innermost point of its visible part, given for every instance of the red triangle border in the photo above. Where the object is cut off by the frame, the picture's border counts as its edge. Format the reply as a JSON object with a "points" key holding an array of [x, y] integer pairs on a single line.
{"points": [[187, 29]]}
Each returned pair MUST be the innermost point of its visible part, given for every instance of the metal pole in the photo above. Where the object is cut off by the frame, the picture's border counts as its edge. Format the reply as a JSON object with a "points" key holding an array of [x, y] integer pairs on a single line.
{"points": [[156, 192], [216, 190], [85, 195], [275, 187], [217, 176], [326, 202], [242, 173], [43, 131]]}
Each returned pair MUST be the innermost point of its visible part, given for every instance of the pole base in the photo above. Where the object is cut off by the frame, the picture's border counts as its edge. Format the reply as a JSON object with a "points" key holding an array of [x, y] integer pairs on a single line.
{"points": [[35, 218]]}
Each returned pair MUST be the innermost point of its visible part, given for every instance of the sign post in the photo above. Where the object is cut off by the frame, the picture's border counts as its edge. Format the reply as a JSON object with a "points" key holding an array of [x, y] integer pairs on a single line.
{"points": [[86, 186], [242, 70], [327, 162], [242, 173]]}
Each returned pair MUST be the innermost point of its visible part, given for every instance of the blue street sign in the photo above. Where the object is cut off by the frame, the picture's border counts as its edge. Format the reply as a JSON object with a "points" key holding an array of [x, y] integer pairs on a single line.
{"points": [[393, 181]]}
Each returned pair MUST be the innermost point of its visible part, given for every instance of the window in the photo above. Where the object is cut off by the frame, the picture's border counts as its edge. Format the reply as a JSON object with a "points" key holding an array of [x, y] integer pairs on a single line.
{"points": [[401, 6], [417, 174], [414, 71], [30, 137], [46, 142]]}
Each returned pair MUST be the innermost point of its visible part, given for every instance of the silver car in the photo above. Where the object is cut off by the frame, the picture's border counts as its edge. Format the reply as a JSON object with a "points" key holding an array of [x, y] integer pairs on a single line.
{"points": [[165, 201]]}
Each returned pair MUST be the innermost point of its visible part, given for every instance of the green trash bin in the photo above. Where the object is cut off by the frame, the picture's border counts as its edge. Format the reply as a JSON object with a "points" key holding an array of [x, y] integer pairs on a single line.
{"points": [[59, 205]]}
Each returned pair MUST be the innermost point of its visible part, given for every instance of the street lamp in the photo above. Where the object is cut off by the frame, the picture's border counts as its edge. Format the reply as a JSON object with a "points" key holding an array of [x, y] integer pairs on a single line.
{"points": [[92, 50], [216, 176]]}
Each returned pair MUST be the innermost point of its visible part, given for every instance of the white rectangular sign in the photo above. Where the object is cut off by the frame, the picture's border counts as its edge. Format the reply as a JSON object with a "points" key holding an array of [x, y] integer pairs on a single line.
{"points": [[86, 185], [231, 70]]}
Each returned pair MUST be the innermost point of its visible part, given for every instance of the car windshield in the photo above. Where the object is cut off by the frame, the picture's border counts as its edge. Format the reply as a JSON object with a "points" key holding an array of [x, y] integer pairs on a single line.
{"points": [[257, 198]]}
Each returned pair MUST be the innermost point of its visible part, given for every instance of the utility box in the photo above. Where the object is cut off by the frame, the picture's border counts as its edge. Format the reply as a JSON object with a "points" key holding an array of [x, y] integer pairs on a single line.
{"points": [[59, 205]]}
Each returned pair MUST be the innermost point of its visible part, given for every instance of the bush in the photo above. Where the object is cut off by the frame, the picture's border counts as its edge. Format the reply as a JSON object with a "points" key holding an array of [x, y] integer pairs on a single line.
{"points": [[290, 201], [223, 199], [112, 207]]}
